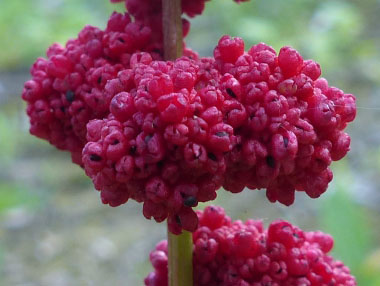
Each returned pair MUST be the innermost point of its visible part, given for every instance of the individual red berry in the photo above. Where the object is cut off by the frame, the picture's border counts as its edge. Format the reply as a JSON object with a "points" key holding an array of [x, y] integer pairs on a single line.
{"points": [[172, 107], [229, 49], [117, 21], [234, 113], [325, 241], [212, 115], [94, 158], [156, 190], [284, 145], [213, 217], [257, 118], [59, 66], [122, 106], [32, 91], [311, 69], [211, 96], [290, 61], [245, 244], [231, 87], [221, 137], [341, 145], [283, 232], [255, 92], [160, 85], [205, 250], [159, 260]]}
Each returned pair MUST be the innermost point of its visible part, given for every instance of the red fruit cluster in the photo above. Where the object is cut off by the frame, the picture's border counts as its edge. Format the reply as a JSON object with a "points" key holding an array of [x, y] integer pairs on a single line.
{"points": [[294, 122], [66, 89], [236, 253], [164, 141], [170, 134], [178, 131]]}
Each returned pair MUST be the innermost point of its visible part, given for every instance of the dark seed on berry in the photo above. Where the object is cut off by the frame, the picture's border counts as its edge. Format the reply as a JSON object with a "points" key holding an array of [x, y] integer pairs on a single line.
{"points": [[190, 201], [221, 134], [211, 156], [271, 162], [230, 92], [147, 138], [70, 96], [286, 142], [95, 158], [132, 150], [178, 220]]}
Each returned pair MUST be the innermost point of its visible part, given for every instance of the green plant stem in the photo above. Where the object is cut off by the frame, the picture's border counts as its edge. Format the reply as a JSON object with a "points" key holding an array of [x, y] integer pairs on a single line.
{"points": [[180, 247], [172, 27], [180, 259]]}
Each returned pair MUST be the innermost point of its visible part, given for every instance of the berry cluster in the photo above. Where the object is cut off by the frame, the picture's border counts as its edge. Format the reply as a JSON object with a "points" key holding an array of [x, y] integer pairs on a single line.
{"points": [[170, 134], [293, 121], [236, 253], [66, 90], [178, 131], [164, 141]]}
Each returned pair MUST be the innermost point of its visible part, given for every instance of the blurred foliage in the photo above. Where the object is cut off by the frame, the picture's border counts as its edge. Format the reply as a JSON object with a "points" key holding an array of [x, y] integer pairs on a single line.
{"points": [[13, 195], [349, 224], [337, 34], [343, 36], [28, 27], [370, 269], [8, 147]]}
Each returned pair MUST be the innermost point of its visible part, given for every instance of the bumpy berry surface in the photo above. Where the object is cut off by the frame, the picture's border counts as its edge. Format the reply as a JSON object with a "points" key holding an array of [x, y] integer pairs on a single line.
{"points": [[164, 141], [236, 253], [294, 121], [66, 89], [178, 131]]}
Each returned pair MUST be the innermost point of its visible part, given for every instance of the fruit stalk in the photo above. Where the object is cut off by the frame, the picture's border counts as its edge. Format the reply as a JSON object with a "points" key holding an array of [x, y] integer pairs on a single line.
{"points": [[179, 246], [172, 27], [180, 259]]}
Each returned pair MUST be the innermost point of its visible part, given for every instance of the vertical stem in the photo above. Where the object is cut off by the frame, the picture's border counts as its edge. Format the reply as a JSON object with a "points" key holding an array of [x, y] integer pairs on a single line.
{"points": [[180, 259], [180, 247], [172, 27]]}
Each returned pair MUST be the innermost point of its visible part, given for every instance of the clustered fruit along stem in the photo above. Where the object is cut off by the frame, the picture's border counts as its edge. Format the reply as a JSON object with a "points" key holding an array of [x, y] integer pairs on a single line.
{"points": [[170, 133], [244, 253], [180, 247]]}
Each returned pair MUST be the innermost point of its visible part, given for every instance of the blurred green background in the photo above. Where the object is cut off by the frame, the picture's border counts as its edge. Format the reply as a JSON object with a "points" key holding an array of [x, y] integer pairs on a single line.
{"points": [[53, 228]]}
